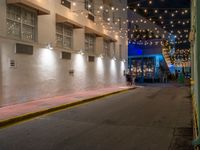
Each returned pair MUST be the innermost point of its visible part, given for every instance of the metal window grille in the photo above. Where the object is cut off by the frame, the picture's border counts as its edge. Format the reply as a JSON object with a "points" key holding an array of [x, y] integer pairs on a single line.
{"points": [[64, 35], [21, 23], [90, 41], [106, 45]]}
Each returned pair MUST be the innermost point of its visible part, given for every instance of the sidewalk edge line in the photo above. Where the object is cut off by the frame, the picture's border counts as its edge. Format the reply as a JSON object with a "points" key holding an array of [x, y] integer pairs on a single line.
{"points": [[20, 118]]}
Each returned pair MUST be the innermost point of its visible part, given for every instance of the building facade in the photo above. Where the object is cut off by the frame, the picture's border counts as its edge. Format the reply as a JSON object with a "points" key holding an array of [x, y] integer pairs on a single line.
{"points": [[50, 48]]}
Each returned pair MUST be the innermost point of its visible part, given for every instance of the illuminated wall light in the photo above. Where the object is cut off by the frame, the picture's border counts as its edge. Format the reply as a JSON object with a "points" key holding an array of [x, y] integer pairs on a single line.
{"points": [[49, 46], [101, 7], [74, 4], [89, 6], [100, 66], [114, 58], [81, 52], [48, 62]]}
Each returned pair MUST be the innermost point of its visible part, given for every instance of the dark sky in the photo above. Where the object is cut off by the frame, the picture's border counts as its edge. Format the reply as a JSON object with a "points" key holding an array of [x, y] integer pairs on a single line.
{"points": [[161, 5], [165, 3]]}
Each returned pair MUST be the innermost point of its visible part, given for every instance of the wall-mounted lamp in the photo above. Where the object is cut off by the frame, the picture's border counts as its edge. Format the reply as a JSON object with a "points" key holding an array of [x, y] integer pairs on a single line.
{"points": [[101, 56], [49, 46], [114, 58], [124, 60], [81, 52]]}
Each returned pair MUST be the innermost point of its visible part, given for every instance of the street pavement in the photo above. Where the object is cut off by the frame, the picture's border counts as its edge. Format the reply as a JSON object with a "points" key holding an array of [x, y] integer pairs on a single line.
{"points": [[147, 118]]}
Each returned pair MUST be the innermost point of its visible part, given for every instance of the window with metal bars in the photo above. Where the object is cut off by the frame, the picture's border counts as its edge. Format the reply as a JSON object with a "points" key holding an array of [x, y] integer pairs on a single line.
{"points": [[106, 47], [90, 40], [64, 36], [21, 23]]}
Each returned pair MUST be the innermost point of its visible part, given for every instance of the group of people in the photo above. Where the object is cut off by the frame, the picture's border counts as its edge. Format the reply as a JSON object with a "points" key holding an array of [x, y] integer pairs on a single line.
{"points": [[129, 79]]}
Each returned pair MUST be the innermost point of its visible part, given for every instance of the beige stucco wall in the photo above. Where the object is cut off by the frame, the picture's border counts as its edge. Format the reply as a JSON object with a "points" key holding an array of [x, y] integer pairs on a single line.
{"points": [[44, 74]]}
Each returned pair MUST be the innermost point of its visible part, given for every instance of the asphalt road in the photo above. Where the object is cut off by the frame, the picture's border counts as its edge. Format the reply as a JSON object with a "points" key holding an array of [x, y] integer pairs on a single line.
{"points": [[147, 118]]}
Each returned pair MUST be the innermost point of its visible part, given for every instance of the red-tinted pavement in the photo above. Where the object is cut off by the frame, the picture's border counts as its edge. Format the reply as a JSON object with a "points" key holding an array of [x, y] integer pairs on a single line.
{"points": [[13, 112]]}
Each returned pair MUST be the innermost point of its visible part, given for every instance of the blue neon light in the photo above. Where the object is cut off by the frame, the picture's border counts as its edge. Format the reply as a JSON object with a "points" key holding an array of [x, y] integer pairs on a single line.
{"points": [[134, 50]]}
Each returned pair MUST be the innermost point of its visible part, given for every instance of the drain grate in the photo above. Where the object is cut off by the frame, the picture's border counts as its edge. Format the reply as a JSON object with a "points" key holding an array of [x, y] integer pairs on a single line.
{"points": [[182, 139], [183, 132], [182, 143]]}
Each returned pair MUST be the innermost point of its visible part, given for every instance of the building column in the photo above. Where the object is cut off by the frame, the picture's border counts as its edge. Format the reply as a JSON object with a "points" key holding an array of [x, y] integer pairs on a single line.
{"points": [[79, 39], [3, 28], [99, 46]]}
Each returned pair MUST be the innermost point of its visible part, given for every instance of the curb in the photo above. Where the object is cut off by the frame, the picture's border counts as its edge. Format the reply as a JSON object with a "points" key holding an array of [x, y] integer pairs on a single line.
{"points": [[31, 115]]}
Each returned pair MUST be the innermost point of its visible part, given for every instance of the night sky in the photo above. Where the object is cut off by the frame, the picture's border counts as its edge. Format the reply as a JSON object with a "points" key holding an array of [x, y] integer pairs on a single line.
{"points": [[165, 3], [161, 6]]}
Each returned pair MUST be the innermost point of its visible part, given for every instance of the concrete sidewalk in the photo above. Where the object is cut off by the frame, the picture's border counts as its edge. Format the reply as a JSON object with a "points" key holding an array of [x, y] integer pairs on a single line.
{"points": [[19, 112]]}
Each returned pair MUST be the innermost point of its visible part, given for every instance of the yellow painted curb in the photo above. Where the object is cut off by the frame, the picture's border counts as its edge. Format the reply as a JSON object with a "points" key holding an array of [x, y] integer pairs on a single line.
{"points": [[14, 120]]}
